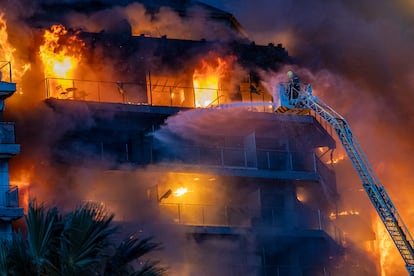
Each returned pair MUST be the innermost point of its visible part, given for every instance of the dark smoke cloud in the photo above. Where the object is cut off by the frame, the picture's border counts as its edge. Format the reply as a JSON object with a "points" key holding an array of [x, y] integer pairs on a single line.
{"points": [[363, 51], [357, 54]]}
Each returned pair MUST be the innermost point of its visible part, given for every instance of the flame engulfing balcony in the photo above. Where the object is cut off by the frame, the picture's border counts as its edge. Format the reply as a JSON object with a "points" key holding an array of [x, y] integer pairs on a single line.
{"points": [[7, 87], [156, 91]]}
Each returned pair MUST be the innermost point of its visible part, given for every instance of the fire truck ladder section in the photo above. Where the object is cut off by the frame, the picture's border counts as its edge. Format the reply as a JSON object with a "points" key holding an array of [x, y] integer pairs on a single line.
{"points": [[374, 189]]}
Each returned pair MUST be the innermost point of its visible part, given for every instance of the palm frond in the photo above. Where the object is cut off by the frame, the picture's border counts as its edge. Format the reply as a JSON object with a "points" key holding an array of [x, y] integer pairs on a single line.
{"points": [[150, 268], [4, 253], [44, 227], [130, 249], [84, 237], [20, 262]]}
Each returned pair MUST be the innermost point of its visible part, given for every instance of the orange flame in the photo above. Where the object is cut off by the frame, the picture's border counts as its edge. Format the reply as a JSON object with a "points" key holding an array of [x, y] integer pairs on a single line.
{"points": [[60, 53], [389, 257], [336, 160], [207, 78], [6, 49], [180, 191], [334, 157], [333, 215], [7, 52]]}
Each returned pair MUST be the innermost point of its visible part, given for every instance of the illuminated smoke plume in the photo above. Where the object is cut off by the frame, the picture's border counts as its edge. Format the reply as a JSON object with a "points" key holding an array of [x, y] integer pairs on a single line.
{"points": [[165, 21], [367, 44], [357, 54], [33, 170]]}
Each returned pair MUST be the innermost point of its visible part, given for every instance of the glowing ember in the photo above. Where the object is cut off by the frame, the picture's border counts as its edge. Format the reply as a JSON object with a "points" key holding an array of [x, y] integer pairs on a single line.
{"points": [[60, 53], [206, 80], [180, 191]]}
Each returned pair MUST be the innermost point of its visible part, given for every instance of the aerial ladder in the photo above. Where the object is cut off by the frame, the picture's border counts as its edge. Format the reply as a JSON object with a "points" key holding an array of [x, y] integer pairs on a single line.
{"points": [[299, 99]]}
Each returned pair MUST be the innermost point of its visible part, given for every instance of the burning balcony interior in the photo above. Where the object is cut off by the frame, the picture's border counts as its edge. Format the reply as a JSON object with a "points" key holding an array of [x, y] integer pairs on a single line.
{"points": [[176, 134], [170, 72]]}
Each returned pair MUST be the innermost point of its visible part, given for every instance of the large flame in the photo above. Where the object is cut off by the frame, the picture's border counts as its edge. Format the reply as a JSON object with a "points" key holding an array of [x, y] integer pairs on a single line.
{"points": [[389, 257], [207, 78], [7, 52], [60, 52]]}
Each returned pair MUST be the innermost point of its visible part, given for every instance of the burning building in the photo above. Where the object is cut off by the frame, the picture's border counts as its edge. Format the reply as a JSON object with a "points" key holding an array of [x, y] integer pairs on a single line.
{"points": [[161, 111]]}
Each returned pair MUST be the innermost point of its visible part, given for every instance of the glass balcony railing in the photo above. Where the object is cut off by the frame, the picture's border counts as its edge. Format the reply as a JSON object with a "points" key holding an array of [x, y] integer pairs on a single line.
{"points": [[5, 71], [153, 91], [235, 157], [251, 270], [238, 216]]}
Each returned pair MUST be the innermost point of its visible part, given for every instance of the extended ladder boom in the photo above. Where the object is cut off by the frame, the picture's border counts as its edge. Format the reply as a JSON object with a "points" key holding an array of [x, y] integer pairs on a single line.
{"points": [[375, 191]]}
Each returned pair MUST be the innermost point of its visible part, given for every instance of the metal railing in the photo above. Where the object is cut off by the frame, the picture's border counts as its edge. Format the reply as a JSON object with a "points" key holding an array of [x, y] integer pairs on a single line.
{"points": [[9, 196], [5, 71], [12, 197], [231, 269], [145, 93], [236, 157], [97, 91], [299, 218]]}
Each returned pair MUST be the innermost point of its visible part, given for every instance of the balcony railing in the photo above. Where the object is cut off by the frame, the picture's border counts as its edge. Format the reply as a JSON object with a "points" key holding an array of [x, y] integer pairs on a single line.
{"points": [[214, 215], [97, 91], [5, 71], [246, 269], [239, 158], [10, 196], [146, 93], [236, 216]]}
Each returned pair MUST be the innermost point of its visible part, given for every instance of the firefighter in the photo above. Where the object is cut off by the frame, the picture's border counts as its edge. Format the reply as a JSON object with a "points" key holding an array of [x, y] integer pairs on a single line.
{"points": [[294, 85]]}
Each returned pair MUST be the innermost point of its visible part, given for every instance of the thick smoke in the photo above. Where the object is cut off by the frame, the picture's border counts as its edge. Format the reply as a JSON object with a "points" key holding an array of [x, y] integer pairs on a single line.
{"points": [[357, 55], [40, 126], [166, 21], [367, 44]]}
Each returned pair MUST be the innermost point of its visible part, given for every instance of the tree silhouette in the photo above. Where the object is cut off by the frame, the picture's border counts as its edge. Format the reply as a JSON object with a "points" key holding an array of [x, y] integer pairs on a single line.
{"points": [[81, 242]]}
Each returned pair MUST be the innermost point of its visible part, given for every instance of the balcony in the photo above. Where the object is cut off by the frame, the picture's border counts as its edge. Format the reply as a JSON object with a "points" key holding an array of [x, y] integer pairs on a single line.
{"points": [[153, 91], [7, 87], [9, 203], [299, 221], [259, 163]]}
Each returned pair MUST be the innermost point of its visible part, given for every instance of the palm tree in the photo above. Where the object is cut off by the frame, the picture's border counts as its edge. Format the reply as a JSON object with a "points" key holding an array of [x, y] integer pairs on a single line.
{"points": [[79, 243]]}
